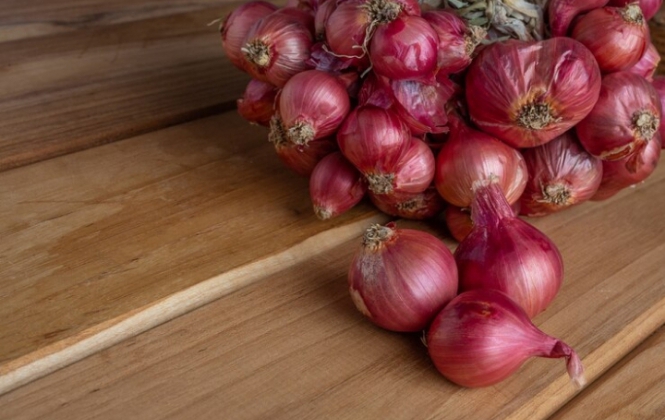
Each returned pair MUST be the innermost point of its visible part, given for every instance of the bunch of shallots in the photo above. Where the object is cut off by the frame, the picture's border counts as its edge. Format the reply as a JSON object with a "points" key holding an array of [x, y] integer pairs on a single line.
{"points": [[478, 110]]}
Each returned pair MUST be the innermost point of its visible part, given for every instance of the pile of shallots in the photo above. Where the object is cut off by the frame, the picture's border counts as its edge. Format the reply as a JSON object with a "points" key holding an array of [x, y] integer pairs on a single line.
{"points": [[478, 110]]}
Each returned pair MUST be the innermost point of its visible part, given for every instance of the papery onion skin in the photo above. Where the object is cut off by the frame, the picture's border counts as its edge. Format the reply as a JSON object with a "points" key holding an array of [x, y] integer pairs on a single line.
{"points": [[659, 84], [300, 159], [276, 48], [625, 118], [335, 186], [257, 104], [649, 7], [456, 43], [313, 105], [459, 223], [482, 337], [505, 253], [623, 173], [561, 174], [527, 93], [374, 140], [401, 278], [562, 12], [470, 155], [617, 42], [405, 48], [237, 24], [648, 64], [422, 105], [413, 206]]}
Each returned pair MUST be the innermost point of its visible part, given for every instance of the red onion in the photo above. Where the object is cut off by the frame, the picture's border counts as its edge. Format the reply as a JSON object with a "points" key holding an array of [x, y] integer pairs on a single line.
{"points": [[648, 64], [276, 48], [413, 206], [459, 223], [300, 159], [527, 93], [626, 117], [257, 104], [405, 48], [562, 12], [321, 18], [421, 104], [470, 155], [350, 26], [374, 140], [335, 186], [481, 337], [400, 278], [623, 173], [413, 173], [617, 37], [457, 42], [649, 7], [561, 174], [312, 105], [659, 84], [237, 24], [505, 253]]}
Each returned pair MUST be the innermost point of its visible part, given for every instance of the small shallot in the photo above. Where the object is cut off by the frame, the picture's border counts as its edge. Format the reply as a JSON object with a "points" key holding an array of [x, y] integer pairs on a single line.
{"points": [[527, 93], [562, 12], [561, 174], [312, 105], [257, 104], [482, 337], [237, 24], [413, 206], [505, 253], [470, 155], [625, 118], [457, 41], [401, 278], [335, 186]]}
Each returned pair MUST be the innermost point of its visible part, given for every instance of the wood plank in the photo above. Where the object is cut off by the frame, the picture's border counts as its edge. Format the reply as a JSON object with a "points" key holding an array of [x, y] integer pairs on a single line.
{"points": [[70, 91], [631, 390], [20, 19], [83, 248], [293, 345]]}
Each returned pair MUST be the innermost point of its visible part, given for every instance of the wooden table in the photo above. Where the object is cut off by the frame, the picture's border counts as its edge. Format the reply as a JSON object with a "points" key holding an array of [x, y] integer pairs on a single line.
{"points": [[157, 261]]}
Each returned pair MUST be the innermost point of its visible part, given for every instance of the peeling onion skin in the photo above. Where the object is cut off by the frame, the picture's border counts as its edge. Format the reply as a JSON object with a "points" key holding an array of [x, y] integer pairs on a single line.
{"points": [[470, 155], [562, 12], [505, 253], [421, 104], [527, 93], [616, 43], [611, 131], [561, 174], [482, 337], [623, 173], [459, 223], [649, 7], [401, 278]]}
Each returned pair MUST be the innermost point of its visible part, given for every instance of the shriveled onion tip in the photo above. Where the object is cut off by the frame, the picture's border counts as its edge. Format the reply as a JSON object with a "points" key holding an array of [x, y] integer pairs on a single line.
{"points": [[376, 234]]}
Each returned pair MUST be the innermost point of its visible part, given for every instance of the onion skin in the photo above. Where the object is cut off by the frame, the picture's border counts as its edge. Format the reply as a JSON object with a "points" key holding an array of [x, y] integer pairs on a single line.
{"points": [[562, 12], [470, 155], [623, 173], [401, 278], [276, 48], [257, 104], [459, 223], [313, 105], [561, 174], [405, 48], [421, 104], [415, 170], [335, 186], [482, 337], [237, 24], [455, 45], [505, 253], [527, 93], [649, 7], [648, 64], [414, 206], [616, 42], [626, 117]]}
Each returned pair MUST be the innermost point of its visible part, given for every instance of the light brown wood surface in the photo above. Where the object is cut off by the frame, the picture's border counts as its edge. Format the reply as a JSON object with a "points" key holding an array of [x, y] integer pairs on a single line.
{"points": [[102, 242], [294, 346], [631, 390]]}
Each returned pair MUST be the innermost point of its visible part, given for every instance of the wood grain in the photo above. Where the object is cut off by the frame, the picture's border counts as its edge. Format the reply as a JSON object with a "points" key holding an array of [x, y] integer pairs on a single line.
{"points": [[92, 236], [631, 390], [69, 91], [293, 345]]}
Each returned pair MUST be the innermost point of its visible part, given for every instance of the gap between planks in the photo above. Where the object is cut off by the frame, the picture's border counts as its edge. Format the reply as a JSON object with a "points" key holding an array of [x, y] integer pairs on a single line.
{"points": [[46, 360]]}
